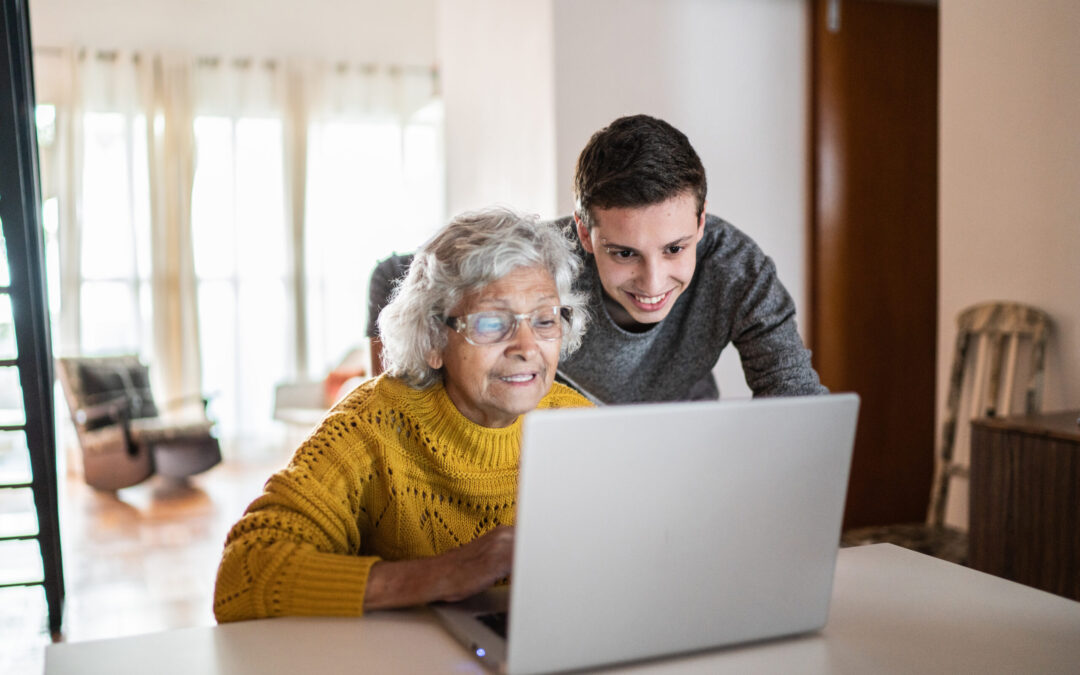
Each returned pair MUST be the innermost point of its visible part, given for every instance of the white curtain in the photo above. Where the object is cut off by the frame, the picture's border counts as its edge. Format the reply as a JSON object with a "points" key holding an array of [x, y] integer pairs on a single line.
{"points": [[166, 87], [242, 242], [375, 185], [221, 217], [118, 174]]}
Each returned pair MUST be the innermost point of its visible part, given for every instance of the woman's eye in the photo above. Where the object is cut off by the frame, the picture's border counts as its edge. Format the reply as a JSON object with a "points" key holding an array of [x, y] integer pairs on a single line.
{"points": [[622, 254], [672, 250], [490, 325]]}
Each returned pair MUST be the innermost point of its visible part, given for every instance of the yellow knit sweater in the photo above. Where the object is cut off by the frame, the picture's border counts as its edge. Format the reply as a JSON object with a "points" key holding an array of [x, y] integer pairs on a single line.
{"points": [[392, 473]]}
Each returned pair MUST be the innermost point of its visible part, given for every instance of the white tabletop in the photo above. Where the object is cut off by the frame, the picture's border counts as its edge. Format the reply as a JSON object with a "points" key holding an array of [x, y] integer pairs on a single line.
{"points": [[893, 611]]}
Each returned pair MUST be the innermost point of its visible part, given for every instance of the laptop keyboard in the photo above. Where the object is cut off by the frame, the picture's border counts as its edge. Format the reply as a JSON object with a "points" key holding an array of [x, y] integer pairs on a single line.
{"points": [[496, 621]]}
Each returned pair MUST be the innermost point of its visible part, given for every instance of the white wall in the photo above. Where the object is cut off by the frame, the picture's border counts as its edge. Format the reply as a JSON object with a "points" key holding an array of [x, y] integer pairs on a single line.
{"points": [[496, 64], [399, 32], [1010, 172], [1010, 181], [732, 76]]}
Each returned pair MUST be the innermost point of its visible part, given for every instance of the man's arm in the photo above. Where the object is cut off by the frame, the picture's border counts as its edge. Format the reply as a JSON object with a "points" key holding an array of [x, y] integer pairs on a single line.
{"points": [[774, 359]]}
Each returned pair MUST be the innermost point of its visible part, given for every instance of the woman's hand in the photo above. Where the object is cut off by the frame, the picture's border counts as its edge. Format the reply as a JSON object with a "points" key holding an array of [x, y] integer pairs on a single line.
{"points": [[454, 575]]}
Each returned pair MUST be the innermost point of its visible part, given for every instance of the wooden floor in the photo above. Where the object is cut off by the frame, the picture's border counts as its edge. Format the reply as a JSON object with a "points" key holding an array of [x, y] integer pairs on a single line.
{"points": [[138, 561]]}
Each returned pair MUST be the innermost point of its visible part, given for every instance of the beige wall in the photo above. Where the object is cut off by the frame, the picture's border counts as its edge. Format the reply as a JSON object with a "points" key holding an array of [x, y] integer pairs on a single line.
{"points": [[732, 75], [498, 89], [1010, 171], [527, 83], [1010, 176]]}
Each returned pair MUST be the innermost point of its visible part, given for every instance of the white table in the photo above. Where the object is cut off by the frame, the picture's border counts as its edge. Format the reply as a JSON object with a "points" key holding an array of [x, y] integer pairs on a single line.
{"points": [[893, 611]]}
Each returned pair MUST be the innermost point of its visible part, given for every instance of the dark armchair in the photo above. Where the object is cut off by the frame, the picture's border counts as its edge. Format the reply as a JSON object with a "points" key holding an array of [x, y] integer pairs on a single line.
{"points": [[123, 436]]}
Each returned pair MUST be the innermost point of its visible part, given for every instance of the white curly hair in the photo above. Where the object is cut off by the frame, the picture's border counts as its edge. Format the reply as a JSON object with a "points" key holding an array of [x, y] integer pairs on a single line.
{"points": [[475, 249]]}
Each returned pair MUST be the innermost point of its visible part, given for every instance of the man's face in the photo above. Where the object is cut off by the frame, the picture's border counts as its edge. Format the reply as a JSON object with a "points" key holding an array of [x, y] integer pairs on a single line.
{"points": [[645, 256]]}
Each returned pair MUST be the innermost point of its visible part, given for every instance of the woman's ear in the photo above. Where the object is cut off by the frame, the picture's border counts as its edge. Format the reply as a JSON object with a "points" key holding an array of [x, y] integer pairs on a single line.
{"points": [[434, 359]]}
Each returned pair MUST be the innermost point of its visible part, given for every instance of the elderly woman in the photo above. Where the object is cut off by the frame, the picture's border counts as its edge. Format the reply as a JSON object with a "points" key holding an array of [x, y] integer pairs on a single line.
{"points": [[405, 494]]}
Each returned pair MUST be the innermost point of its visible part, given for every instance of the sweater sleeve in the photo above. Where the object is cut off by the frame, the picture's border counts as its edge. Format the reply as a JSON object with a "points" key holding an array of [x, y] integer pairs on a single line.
{"points": [[296, 550], [774, 359]]}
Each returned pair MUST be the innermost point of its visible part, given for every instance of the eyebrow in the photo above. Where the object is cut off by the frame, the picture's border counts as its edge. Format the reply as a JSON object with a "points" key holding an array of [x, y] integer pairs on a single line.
{"points": [[681, 240], [500, 303]]}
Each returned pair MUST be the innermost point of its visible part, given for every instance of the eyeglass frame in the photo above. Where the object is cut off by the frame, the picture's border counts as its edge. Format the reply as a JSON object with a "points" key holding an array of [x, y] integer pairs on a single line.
{"points": [[460, 324]]}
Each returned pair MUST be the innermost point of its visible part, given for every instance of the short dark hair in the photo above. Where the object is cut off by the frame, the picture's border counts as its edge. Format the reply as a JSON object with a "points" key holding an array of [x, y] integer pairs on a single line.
{"points": [[636, 161]]}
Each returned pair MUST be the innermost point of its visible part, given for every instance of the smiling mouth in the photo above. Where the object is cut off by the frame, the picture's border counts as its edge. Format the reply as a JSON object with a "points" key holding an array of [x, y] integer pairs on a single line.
{"points": [[520, 378], [649, 303]]}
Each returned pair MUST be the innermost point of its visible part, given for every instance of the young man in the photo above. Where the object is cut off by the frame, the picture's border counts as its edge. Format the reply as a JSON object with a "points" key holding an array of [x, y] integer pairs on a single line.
{"points": [[669, 286]]}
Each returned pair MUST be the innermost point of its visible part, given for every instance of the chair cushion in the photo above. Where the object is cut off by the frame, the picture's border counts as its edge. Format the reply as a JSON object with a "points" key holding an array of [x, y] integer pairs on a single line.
{"points": [[105, 441], [103, 381]]}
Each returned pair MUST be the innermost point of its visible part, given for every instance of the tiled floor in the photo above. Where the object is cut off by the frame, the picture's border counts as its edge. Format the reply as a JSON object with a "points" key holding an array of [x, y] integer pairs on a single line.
{"points": [[140, 561]]}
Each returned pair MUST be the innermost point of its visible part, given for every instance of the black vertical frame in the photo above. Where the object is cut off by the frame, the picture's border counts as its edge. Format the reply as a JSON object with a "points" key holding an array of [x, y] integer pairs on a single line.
{"points": [[20, 209]]}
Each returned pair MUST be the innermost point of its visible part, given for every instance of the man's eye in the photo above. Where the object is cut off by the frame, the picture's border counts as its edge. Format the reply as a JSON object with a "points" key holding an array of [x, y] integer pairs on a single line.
{"points": [[675, 248], [621, 253], [544, 323]]}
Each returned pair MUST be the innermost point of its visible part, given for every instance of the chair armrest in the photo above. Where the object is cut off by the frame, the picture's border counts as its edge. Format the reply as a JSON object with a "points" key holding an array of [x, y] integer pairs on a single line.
{"points": [[114, 409]]}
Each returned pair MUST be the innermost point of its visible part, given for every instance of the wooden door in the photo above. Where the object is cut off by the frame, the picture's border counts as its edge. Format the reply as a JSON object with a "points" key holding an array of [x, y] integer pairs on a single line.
{"points": [[873, 241]]}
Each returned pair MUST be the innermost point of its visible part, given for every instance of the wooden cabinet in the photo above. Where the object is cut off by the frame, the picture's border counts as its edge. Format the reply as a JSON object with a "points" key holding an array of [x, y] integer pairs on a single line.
{"points": [[1025, 500]]}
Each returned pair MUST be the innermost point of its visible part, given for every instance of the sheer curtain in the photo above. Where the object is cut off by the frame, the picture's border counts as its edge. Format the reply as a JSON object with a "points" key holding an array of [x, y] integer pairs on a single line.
{"points": [[242, 247], [166, 87], [116, 179], [374, 186], [221, 217]]}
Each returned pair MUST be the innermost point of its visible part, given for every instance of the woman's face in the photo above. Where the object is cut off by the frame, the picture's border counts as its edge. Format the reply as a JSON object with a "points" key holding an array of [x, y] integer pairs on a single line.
{"points": [[492, 384]]}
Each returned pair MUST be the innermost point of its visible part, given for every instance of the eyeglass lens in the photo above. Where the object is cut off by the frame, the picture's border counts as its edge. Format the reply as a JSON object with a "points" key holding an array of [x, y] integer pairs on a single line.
{"points": [[496, 326]]}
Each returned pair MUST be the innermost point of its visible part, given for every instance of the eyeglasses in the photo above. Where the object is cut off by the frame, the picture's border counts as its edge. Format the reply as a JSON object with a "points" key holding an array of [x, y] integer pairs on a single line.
{"points": [[487, 328]]}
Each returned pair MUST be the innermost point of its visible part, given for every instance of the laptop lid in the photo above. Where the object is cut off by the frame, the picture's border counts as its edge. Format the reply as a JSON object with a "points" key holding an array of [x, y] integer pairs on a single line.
{"points": [[654, 529]]}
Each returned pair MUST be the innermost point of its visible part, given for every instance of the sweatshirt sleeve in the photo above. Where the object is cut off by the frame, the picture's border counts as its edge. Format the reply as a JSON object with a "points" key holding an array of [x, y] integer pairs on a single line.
{"points": [[296, 550], [774, 359]]}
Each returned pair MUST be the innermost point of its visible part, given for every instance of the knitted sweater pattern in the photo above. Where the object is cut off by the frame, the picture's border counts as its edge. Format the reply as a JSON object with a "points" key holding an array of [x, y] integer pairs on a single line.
{"points": [[392, 473]]}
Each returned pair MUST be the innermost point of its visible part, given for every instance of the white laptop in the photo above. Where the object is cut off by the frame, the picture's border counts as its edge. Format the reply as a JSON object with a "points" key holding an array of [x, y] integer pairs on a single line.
{"points": [[655, 529]]}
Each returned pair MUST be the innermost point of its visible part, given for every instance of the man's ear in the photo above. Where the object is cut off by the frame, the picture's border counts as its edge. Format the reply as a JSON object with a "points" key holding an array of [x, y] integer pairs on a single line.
{"points": [[701, 224], [583, 233]]}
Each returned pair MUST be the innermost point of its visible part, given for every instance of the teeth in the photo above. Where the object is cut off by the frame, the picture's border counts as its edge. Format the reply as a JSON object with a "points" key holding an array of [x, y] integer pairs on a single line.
{"points": [[649, 301], [525, 377]]}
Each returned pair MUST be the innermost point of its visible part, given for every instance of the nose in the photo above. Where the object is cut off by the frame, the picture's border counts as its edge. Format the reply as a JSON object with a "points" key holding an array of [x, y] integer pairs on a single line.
{"points": [[653, 273], [523, 342]]}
